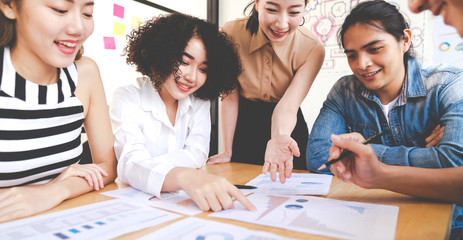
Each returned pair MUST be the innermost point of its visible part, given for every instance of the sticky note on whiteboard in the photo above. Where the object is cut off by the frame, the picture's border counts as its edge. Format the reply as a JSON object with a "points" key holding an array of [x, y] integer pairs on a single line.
{"points": [[118, 11], [119, 29], [109, 43], [136, 21]]}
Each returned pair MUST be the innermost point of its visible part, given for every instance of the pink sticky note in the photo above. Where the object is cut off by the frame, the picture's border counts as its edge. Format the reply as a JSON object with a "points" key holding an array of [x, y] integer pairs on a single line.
{"points": [[109, 43], [118, 11]]}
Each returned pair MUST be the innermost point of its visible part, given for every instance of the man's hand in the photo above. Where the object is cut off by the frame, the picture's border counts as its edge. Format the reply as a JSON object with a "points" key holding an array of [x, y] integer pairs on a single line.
{"points": [[434, 138]]}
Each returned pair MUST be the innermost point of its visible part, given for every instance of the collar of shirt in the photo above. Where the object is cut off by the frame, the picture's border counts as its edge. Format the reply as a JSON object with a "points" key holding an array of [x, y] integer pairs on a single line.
{"points": [[151, 102], [281, 49]]}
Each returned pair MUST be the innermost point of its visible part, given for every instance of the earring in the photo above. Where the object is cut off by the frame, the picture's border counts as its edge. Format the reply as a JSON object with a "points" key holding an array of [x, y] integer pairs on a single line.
{"points": [[10, 14], [303, 21]]}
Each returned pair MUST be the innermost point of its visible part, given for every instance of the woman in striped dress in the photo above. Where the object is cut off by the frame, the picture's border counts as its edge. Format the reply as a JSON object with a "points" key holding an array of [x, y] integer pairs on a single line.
{"points": [[47, 93]]}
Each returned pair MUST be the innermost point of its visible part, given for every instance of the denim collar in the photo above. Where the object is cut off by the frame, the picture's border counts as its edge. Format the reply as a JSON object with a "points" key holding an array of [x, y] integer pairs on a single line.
{"points": [[410, 89]]}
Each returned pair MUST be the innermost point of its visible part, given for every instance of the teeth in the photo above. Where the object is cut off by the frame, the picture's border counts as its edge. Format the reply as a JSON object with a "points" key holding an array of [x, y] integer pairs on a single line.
{"points": [[278, 33], [371, 74], [67, 44], [183, 85]]}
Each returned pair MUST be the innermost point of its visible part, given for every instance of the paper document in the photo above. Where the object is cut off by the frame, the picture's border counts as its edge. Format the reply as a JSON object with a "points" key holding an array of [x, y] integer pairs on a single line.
{"points": [[201, 229], [176, 201], [297, 184], [321, 216], [103, 220]]}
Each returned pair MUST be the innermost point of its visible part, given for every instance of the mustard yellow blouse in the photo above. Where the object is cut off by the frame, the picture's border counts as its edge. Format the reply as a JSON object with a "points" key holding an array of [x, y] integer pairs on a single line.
{"points": [[268, 68]]}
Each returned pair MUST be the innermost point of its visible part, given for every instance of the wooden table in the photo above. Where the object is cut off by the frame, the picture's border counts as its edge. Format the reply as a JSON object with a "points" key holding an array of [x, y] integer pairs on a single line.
{"points": [[418, 218]]}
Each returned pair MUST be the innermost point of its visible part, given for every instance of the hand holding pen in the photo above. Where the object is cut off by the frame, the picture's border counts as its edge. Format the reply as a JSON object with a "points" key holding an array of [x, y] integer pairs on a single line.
{"points": [[346, 153]]}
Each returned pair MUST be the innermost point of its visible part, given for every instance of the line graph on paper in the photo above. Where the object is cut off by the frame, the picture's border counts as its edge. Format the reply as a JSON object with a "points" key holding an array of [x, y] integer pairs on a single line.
{"points": [[321, 216], [298, 184]]}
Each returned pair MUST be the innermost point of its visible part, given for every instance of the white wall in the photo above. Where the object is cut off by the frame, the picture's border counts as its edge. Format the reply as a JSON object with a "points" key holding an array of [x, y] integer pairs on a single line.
{"points": [[231, 9]]}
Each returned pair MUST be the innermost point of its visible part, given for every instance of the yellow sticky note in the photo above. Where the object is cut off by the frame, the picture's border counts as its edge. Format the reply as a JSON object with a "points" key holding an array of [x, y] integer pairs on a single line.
{"points": [[119, 29], [136, 21]]}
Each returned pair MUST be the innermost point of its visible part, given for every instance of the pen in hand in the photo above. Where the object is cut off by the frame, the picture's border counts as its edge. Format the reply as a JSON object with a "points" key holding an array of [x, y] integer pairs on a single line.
{"points": [[345, 153], [244, 186]]}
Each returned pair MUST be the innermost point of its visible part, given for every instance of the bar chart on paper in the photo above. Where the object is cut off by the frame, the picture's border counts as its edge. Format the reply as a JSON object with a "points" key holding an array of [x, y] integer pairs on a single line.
{"points": [[102, 220], [321, 216]]}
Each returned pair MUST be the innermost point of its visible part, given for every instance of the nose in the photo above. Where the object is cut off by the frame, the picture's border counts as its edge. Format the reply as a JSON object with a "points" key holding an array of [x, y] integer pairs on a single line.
{"points": [[417, 6], [363, 61], [282, 21], [75, 24], [190, 74]]}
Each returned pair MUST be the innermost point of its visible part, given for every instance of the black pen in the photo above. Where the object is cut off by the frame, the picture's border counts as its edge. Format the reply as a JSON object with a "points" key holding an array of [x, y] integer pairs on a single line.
{"points": [[345, 153], [244, 186]]}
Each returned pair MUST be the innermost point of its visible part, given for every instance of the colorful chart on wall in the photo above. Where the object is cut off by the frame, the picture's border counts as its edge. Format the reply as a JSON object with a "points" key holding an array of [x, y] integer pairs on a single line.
{"points": [[324, 17], [448, 45], [321, 216]]}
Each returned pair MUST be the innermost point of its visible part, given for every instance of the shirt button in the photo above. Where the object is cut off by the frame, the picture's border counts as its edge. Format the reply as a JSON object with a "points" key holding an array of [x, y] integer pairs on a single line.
{"points": [[265, 96], [266, 80], [267, 61]]}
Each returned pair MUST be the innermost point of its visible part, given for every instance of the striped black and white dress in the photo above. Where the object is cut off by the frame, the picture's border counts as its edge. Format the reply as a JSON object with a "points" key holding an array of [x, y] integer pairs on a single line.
{"points": [[40, 126]]}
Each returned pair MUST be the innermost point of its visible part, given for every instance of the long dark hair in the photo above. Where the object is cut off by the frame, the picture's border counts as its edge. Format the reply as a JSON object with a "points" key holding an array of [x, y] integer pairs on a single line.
{"points": [[381, 15], [253, 22]]}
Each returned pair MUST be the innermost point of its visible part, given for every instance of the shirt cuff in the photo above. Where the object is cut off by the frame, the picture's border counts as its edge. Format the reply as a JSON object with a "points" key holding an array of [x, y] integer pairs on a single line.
{"points": [[157, 177]]}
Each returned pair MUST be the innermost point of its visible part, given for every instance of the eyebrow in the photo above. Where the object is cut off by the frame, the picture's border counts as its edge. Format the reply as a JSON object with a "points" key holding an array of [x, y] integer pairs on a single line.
{"points": [[278, 5], [191, 57], [364, 46], [91, 3]]}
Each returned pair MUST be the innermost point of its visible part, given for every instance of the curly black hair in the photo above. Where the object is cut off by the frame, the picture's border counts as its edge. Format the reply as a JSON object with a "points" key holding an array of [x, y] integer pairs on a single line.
{"points": [[157, 47]]}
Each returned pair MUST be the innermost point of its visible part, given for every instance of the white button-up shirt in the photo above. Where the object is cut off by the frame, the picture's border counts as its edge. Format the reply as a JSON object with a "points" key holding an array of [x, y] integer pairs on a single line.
{"points": [[147, 146]]}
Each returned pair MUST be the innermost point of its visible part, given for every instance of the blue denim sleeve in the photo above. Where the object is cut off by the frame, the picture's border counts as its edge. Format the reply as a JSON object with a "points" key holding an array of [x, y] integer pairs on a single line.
{"points": [[449, 151], [329, 121]]}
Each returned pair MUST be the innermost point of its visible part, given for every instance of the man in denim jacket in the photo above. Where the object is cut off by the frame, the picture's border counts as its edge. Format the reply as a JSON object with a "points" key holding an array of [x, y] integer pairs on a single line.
{"points": [[441, 102], [429, 97], [390, 90]]}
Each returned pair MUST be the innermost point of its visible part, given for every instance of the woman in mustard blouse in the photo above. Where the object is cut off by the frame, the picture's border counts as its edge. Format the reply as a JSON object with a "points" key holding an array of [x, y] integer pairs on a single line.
{"points": [[261, 121]]}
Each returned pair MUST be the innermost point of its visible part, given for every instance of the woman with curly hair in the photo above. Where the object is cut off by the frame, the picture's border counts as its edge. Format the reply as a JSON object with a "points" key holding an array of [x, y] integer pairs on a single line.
{"points": [[162, 121]]}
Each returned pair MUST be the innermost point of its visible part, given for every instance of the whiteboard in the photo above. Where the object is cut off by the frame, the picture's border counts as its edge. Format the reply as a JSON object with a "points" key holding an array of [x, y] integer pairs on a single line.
{"points": [[114, 19]]}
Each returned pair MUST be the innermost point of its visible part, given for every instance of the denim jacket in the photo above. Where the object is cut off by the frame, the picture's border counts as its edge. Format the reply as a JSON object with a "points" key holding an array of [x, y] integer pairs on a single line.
{"points": [[430, 97]]}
